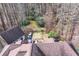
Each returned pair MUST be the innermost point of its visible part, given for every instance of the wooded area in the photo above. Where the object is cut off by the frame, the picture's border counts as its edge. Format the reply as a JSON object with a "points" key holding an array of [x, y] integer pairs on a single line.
{"points": [[63, 18]]}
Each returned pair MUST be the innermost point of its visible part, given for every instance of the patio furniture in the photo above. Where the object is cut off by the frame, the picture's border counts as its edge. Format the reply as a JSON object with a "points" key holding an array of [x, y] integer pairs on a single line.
{"points": [[10, 36]]}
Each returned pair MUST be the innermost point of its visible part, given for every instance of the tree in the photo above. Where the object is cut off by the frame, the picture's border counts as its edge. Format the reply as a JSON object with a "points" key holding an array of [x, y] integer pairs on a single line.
{"points": [[2, 20]]}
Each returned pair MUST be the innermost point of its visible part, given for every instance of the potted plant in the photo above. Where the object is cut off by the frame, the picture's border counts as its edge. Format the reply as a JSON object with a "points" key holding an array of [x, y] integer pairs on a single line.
{"points": [[53, 35]]}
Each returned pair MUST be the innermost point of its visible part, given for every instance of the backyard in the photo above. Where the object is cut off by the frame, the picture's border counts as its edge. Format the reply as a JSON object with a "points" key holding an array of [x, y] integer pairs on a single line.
{"points": [[44, 26]]}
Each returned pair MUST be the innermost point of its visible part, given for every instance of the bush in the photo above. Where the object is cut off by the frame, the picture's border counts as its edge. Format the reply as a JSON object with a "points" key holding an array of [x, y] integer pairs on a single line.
{"points": [[24, 22], [53, 35], [40, 21], [30, 17], [35, 16]]}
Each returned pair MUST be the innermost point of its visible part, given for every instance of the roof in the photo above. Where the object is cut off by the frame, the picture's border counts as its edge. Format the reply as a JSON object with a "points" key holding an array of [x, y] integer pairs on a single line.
{"points": [[12, 35], [40, 49], [17, 50]]}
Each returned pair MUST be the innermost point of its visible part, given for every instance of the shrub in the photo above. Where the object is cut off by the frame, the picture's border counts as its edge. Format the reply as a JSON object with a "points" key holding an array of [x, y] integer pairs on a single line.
{"points": [[53, 35], [40, 21], [35, 16], [24, 22], [31, 15]]}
